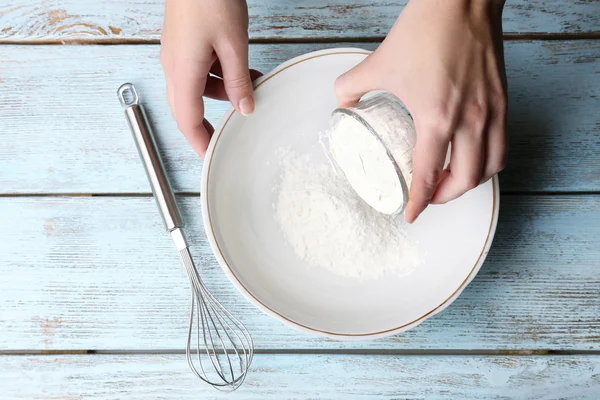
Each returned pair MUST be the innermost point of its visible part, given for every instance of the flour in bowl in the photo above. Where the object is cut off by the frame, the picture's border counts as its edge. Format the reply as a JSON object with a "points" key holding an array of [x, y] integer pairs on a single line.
{"points": [[329, 226]]}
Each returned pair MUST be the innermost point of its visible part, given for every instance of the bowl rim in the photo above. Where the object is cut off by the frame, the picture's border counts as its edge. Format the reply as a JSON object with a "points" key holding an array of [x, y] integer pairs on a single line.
{"points": [[237, 283]]}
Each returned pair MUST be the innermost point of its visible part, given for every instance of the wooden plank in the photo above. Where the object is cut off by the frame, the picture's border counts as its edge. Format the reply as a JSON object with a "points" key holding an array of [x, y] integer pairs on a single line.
{"points": [[141, 20], [305, 377], [101, 273], [63, 131]]}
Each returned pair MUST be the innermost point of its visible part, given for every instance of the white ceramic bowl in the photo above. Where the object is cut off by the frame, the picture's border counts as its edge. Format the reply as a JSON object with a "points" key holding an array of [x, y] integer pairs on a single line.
{"points": [[293, 104]]}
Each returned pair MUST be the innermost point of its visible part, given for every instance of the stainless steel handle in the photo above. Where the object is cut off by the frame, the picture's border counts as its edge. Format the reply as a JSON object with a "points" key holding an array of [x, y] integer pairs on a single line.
{"points": [[146, 145]]}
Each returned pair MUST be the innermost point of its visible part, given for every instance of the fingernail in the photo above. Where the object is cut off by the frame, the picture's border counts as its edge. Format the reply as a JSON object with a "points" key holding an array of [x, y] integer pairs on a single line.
{"points": [[247, 106]]}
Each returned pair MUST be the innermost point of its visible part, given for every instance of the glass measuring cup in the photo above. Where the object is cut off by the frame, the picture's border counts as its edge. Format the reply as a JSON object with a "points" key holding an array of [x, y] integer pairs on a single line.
{"points": [[373, 143]]}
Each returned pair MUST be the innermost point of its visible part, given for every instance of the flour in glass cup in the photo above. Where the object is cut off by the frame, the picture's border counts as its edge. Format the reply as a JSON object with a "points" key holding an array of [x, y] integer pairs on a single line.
{"points": [[366, 165], [373, 143], [329, 226]]}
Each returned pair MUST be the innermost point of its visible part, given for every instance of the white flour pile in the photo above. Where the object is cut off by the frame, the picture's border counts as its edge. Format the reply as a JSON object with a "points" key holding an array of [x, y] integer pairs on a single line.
{"points": [[329, 226]]}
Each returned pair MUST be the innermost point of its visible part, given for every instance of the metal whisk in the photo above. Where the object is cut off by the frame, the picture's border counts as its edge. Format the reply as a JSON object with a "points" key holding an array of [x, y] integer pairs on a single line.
{"points": [[220, 340]]}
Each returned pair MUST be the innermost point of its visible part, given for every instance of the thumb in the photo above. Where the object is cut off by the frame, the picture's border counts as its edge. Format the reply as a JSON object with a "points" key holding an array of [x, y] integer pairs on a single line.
{"points": [[352, 85], [236, 77]]}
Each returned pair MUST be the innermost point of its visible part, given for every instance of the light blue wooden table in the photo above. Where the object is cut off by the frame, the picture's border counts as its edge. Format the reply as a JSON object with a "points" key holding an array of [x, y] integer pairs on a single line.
{"points": [[93, 300]]}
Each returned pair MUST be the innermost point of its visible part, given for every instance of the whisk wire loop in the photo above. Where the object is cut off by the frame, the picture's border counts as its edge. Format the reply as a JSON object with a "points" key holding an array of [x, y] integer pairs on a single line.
{"points": [[223, 340]]}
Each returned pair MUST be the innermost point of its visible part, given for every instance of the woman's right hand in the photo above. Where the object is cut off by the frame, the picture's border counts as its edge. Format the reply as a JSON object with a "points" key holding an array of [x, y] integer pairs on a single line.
{"points": [[204, 52]]}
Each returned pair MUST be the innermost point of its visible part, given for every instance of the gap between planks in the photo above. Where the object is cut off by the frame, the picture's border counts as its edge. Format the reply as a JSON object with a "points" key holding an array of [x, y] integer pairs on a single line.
{"points": [[379, 352], [525, 36]]}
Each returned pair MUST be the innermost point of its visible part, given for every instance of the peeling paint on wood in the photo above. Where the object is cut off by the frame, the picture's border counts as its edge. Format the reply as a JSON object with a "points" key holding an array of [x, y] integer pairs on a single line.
{"points": [[109, 20], [85, 273], [63, 130], [305, 377], [100, 273]]}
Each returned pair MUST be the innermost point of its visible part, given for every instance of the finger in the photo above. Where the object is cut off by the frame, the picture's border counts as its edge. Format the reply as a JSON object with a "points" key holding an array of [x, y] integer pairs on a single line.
{"points": [[465, 168], [234, 62], [218, 71], [352, 85], [428, 161], [497, 144], [189, 86], [215, 89]]}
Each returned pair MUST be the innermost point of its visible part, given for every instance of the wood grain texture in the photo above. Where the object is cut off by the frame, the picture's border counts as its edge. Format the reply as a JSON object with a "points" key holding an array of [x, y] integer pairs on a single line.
{"points": [[101, 273], [141, 20], [63, 131], [305, 377]]}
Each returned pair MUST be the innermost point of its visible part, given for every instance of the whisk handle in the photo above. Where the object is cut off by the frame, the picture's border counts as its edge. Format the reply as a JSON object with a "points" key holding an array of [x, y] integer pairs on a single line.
{"points": [[146, 145]]}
